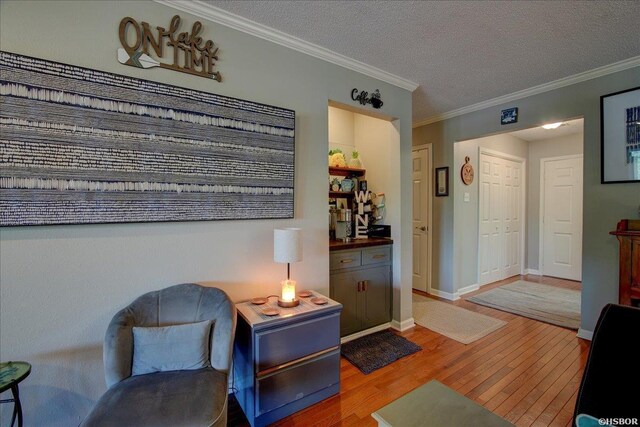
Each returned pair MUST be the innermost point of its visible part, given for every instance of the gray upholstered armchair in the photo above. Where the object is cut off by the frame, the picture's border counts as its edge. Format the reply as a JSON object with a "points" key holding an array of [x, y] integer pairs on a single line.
{"points": [[194, 397]]}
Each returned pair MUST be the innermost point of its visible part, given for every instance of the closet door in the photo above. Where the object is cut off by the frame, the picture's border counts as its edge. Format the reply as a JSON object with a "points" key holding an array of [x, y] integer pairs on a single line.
{"points": [[500, 218], [512, 218], [491, 238]]}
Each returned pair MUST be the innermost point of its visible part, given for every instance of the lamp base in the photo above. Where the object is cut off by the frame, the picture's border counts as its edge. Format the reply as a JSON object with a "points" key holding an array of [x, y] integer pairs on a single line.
{"points": [[288, 304]]}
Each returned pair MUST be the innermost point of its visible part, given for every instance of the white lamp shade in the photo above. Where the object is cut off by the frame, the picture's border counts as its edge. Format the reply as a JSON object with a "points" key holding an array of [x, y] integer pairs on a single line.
{"points": [[287, 245]]}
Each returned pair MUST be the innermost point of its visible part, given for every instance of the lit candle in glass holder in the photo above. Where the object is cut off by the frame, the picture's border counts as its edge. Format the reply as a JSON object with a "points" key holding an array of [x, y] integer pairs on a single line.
{"points": [[288, 290]]}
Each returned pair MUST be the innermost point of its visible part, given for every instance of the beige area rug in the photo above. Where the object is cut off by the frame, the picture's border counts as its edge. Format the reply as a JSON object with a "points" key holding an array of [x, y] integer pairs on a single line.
{"points": [[550, 304], [451, 321]]}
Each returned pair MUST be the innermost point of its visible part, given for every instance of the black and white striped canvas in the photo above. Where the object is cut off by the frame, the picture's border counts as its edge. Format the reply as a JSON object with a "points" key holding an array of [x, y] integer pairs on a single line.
{"points": [[85, 146]]}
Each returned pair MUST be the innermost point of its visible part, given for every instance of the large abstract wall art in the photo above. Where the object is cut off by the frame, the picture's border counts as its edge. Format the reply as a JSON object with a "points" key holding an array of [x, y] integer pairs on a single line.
{"points": [[84, 146]]}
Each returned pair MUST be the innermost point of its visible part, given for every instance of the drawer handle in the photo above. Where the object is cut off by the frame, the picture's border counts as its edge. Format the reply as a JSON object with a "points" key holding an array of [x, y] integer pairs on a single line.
{"points": [[379, 256], [365, 285], [345, 261], [359, 286]]}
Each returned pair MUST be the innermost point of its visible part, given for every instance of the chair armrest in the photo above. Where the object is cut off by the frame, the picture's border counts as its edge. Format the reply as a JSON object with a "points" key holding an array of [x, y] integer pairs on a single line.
{"points": [[224, 331], [118, 347]]}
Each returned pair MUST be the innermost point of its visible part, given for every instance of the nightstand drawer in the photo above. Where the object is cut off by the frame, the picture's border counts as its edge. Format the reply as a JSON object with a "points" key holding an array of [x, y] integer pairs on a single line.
{"points": [[344, 260], [285, 386], [376, 255], [278, 346]]}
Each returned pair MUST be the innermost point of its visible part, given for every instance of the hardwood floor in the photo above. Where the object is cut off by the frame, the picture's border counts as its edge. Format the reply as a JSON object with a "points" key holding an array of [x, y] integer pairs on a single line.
{"points": [[528, 372]]}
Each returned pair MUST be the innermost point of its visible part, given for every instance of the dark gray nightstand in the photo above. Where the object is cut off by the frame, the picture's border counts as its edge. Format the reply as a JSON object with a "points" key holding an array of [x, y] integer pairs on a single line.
{"points": [[285, 363]]}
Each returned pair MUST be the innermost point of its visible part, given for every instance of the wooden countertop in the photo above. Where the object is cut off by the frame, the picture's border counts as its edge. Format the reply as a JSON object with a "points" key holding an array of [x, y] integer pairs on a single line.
{"points": [[337, 245]]}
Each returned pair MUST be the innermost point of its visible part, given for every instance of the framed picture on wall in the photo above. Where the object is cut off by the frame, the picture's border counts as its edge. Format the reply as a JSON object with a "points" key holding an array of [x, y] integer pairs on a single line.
{"points": [[442, 181], [620, 136], [118, 149]]}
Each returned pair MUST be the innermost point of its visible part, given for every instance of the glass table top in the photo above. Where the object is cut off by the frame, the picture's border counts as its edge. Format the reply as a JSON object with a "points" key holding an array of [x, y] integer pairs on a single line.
{"points": [[13, 372]]}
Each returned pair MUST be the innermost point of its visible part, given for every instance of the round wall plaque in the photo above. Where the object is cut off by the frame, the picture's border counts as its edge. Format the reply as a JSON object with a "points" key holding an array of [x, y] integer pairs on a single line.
{"points": [[467, 172]]}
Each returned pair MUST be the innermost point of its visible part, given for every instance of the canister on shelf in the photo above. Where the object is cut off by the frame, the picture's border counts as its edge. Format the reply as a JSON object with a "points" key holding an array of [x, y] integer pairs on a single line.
{"points": [[344, 225]]}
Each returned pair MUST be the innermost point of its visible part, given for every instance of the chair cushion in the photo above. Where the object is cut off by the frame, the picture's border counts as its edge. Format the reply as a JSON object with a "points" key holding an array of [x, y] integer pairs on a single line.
{"points": [[177, 398], [171, 348]]}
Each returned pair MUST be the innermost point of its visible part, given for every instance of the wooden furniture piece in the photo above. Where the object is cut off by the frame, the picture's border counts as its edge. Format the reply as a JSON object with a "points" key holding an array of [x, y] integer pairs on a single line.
{"points": [[361, 281], [11, 374], [628, 234], [286, 362]]}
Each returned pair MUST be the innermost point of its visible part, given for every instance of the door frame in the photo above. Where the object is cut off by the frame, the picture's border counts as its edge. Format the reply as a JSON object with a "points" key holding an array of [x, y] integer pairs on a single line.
{"points": [[543, 162], [523, 198], [429, 210]]}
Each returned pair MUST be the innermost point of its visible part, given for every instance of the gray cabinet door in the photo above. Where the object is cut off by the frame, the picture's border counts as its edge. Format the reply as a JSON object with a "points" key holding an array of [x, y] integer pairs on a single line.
{"points": [[344, 288], [375, 301]]}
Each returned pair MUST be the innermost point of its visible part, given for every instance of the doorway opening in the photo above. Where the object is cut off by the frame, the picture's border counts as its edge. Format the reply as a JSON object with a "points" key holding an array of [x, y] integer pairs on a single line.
{"points": [[522, 214], [364, 239], [369, 144]]}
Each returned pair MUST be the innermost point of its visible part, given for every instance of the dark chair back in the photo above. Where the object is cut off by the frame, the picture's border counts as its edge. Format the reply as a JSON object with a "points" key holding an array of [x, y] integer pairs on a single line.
{"points": [[611, 381]]}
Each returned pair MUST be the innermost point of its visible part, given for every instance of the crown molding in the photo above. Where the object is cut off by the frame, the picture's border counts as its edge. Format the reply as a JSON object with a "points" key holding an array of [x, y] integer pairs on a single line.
{"points": [[535, 90], [228, 19]]}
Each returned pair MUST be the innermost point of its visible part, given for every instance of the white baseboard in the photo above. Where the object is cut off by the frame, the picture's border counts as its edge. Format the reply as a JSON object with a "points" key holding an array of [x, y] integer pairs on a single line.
{"points": [[467, 289], [532, 271], [366, 332], [404, 325], [456, 295], [585, 334], [443, 294]]}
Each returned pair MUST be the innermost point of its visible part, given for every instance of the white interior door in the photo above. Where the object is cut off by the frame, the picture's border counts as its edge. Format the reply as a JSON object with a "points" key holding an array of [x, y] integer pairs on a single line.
{"points": [[512, 193], [562, 217], [500, 218], [421, 215], [490, 207]]}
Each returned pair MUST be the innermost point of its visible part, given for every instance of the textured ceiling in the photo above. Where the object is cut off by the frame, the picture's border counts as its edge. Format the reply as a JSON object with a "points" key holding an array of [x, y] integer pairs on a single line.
{"points": [[461, 52]]}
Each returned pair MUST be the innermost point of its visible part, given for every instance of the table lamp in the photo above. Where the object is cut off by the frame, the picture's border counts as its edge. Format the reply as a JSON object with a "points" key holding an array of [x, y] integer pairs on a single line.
{"points": [[287, 247]]}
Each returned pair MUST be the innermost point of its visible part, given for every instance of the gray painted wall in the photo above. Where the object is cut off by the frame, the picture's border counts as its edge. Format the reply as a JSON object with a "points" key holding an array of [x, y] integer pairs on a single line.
{"points": [[604, 205], [466, 213], [60, 285], [554, 147]]}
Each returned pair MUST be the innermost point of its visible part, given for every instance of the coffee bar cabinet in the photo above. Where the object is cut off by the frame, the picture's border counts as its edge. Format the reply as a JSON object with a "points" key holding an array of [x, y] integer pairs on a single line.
{"points": [[287, 362], [361, 280]]}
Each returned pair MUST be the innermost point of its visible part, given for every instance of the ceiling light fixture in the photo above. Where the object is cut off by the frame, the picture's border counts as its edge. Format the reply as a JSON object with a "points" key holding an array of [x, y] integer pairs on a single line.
{"points": [[552, 125]]}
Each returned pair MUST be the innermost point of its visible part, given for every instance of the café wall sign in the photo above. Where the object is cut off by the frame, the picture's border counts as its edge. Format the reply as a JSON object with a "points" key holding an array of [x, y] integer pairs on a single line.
{"points": [[363, 98], [185, 51]]}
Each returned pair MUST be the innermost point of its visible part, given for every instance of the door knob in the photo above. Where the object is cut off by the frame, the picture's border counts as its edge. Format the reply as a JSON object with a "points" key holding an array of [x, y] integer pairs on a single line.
{"points": [[423, 228]]}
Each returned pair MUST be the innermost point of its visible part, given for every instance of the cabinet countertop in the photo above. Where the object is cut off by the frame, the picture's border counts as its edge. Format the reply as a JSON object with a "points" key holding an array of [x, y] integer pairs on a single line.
{"points": [[337, 245]]}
